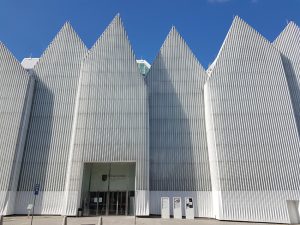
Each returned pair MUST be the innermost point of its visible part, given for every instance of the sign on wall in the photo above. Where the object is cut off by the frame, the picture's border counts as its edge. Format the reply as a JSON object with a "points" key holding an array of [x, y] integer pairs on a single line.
{"points": [[36, 189], [165, 207], [177, 209], [189, 208]]}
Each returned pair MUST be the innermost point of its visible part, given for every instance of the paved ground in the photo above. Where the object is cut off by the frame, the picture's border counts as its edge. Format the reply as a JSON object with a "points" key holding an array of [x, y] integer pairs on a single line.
{"points": [[114, 220]]}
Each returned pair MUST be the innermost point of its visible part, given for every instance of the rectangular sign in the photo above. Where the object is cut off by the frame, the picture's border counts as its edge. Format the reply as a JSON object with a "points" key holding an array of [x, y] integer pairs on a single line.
{"points": [[189, 208], [177, 211], [165, 207], [36, 189], [97, 200]]}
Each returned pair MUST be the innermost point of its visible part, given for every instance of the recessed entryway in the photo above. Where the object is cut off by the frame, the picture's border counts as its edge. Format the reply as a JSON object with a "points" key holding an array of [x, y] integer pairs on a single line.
{"points": [[108, 189]]}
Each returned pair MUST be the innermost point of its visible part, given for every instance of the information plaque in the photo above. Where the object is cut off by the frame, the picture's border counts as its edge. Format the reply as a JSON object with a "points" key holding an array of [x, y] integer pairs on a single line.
{"points": [[165, 207], [177, 209], [189, 208]]}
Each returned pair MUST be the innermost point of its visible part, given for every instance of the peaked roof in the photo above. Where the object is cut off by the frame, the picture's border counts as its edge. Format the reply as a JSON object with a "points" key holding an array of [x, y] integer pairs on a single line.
{"points": [[63, 47], [173, 55], [114, 46], [9, 64], [114, 26], [240, 34], [288, 41]]}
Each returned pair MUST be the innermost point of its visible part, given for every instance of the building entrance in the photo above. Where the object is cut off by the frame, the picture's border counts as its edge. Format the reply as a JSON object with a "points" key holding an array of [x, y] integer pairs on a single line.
{"points": [[108, 189]]}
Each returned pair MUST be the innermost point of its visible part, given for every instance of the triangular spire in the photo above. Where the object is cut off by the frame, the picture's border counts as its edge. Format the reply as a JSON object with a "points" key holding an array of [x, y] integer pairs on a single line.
{"points": [[175, 83], [9, 63], [289, 39], [174, 54], [114, 45], [16, 86], [57, 72], [115, 25], [64, 45], [291, 28], [241, 40]]}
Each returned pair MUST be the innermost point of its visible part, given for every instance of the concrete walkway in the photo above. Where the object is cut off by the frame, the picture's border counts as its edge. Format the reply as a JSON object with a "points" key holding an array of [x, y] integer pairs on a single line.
{"points": [[114, 220]]}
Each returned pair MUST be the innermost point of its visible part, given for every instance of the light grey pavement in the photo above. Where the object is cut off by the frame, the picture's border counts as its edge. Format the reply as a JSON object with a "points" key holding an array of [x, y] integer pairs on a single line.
{"points": [[116, 220]]}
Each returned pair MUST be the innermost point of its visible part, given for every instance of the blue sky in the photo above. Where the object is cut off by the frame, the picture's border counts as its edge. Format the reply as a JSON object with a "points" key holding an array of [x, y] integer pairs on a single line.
{"points": [[28, 26]]}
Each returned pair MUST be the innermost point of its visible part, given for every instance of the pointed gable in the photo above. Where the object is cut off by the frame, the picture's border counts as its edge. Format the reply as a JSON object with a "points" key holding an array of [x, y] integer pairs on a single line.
{"points": [[288, 42], [114, 93], [113, 50], [63, 56], [244, 50], [9, 65], [49, 134], [250, 114], [177, 124], [14, 83], [112, 82], [177, 58], [16, 88]]}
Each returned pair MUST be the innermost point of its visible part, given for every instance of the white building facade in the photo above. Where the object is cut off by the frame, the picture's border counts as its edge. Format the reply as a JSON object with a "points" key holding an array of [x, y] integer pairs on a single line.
{"points": [[100, 138]]}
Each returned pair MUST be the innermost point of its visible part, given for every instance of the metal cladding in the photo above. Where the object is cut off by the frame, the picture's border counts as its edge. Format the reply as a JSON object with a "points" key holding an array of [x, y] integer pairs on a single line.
{"points": [[251, 129], [112, 116], [178, 143], [228, 137], [288, 43], [49, 134], [15, 103]]}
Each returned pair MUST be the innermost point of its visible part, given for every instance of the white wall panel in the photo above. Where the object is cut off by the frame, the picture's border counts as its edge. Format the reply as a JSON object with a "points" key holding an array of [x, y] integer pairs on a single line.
{"points": [[47, 202], [251, 128], [48, 140], [111, 116], [178, 143], [259, 206], [288, 43], [229, 139], [16, 89]]}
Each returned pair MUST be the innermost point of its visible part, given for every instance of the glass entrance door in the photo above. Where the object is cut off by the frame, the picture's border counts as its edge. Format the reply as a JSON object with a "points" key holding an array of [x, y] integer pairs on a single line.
{"points": [[97, 203], [108, 189], [109, 203], [118, 203]]}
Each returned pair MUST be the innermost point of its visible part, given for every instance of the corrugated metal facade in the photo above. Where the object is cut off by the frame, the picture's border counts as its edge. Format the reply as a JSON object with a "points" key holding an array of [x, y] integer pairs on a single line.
{"points": [[112, 115], [49, 134], [178, 144], [229, 138], [252, 134], [288, 43], [16, 89]]}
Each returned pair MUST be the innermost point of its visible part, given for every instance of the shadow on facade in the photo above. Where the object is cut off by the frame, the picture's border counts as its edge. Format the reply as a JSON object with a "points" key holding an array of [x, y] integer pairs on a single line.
{"points": [[38, 142], [294, 89], [172, 166]]}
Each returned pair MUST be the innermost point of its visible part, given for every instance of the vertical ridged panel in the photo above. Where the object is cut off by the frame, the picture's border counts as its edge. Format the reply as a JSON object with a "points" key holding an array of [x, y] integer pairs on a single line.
{"points": [[112, 117], [47, 146], [15, 85], [178, 144], [288, 43], [252, 132]]}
